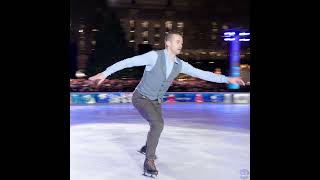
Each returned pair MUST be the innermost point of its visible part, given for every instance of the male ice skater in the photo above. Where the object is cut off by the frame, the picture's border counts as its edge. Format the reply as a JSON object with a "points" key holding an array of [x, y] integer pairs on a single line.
{"points": [[161, 68]]}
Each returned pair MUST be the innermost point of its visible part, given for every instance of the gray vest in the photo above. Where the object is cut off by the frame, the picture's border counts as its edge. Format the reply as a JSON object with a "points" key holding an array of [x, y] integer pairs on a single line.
{"points": [[154, 83]]}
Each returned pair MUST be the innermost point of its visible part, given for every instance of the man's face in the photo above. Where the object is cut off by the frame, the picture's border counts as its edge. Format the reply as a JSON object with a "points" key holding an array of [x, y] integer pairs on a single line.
{"points": [[174, 43]]}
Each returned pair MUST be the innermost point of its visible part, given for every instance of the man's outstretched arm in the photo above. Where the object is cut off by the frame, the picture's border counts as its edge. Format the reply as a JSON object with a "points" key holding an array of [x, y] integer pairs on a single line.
{"points": [[147, 59], [208, 76]]}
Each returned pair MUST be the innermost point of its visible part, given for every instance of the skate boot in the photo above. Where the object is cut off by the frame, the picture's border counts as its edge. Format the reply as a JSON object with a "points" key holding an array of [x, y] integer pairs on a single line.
{"points": [[143, 150], [150, 168]]}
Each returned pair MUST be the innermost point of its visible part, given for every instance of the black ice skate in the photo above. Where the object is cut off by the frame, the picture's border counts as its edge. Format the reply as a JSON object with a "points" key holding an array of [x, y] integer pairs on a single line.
{"points": [[150, 168], [143, 150]]}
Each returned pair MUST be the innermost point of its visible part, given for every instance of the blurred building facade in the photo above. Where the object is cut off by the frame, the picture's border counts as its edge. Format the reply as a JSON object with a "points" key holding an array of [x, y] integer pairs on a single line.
{"points": [[145, 22]]}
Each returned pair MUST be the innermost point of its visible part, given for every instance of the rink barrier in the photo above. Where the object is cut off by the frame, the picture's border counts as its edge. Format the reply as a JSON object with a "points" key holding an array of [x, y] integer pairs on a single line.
{"points": [[91, 98]]}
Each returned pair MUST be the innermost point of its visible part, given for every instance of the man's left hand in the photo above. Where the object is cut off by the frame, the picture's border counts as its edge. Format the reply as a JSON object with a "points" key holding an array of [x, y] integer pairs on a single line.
{"points": [[236, 80]]}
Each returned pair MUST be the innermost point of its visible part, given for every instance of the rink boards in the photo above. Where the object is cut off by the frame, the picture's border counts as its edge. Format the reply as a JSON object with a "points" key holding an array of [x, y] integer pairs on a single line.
{"points": [[169, 97]]}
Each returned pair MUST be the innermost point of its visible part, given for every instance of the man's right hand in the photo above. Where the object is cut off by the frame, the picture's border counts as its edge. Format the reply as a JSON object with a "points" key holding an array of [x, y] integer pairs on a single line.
{"points": [[99, 77]]}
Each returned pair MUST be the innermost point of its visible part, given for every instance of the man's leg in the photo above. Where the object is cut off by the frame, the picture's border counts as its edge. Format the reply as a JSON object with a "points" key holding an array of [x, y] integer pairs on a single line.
{"points": [[156, 126], [151, 111]]}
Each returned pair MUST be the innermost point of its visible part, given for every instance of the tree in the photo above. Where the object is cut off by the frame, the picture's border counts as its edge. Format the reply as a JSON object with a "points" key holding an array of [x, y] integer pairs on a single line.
{"points": [[111, 44]]}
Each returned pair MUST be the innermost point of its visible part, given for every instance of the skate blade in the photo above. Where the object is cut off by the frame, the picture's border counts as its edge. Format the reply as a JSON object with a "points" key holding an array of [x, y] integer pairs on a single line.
{"points": [[141, 152], [149, 175]]}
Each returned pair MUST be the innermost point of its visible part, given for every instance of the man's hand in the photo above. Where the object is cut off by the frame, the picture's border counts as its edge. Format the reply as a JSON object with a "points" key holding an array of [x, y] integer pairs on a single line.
{"points": [[99, 77], [235, 80]]}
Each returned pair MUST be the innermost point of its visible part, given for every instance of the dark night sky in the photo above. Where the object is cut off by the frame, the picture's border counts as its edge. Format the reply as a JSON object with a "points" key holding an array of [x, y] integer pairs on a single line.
{"points": [[225, 8]]}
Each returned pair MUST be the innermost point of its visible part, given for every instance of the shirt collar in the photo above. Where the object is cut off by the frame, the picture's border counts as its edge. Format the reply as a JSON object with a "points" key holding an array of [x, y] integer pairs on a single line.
{"points": [[167, 56]]}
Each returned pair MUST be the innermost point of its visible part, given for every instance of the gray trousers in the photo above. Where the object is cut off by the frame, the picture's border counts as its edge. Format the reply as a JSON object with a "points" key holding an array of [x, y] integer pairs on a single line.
{"points": [[151, 111]]}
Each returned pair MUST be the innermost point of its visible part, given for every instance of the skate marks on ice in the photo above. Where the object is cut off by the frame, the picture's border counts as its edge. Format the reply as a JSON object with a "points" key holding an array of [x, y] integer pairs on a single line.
{"points": [[109, 151]]}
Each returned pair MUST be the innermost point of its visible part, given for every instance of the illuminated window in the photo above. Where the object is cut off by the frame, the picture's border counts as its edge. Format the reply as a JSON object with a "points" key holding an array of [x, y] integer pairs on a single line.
{"points": [[145, 24], [157, 28], [214, 27], [217, 71], [132, 25], [180, 24], [145, 35], [214, 30], [225, 27], [168, 25]]}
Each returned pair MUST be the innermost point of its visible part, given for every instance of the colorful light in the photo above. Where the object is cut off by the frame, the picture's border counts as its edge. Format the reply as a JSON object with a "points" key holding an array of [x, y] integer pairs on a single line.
{"points": [[234, 38]]}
